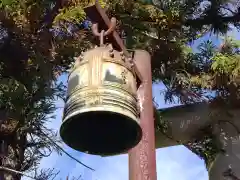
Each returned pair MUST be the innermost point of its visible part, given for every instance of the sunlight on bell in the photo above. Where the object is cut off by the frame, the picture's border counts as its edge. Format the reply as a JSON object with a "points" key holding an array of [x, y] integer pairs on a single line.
{"points": [[101, 115]]}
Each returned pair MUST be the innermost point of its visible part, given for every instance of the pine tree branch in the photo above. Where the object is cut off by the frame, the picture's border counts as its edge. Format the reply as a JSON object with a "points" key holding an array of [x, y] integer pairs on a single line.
{"points": [[48, 19], [199, 22]]}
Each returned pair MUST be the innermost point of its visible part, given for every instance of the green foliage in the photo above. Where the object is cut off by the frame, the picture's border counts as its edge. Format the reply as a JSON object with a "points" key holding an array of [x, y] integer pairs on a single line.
{"points": [[10, 91], [225, 64], [164, 29], [74, 14], [205, 145], [211, 70], [7, 2], [227, 60]]}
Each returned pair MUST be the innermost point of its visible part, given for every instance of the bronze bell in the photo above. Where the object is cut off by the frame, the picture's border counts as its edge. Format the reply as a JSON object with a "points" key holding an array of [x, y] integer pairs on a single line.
{"points": [[101, 115]]}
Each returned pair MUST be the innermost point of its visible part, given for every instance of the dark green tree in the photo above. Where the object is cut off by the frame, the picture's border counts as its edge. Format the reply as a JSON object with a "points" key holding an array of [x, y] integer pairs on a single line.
{"points": [[40, 38]]}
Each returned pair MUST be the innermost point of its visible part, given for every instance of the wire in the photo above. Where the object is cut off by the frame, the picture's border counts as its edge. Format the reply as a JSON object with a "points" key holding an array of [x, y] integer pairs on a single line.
{"points": [[69, 155], [16, 172]]}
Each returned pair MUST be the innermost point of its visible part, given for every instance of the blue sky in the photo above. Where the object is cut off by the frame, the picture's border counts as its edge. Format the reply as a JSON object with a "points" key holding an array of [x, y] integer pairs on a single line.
{"points": [[172, 163], [178, 159]]}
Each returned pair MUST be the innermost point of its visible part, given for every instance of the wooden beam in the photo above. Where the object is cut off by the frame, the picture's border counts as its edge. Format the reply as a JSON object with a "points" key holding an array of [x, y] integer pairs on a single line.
{"points": [[97, 14]]}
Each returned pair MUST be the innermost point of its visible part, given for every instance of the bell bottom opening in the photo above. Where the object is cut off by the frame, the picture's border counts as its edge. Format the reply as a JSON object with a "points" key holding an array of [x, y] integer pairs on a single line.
{"points": [[101, 132]]}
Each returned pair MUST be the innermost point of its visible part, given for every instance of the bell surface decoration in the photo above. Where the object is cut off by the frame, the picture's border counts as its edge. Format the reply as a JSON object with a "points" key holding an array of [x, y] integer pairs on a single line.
{"points": [[101, 116]]}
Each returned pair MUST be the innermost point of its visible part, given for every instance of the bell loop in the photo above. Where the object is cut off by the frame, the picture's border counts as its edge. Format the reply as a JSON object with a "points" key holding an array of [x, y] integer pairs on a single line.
{"points": [[102, 38], [103, 33]]}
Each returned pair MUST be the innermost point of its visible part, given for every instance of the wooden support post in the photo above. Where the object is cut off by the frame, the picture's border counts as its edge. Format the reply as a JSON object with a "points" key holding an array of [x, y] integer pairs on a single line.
{"points": [[142, 158]]}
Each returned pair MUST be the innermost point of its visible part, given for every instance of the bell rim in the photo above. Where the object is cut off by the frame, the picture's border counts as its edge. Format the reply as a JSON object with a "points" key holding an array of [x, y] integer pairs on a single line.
{"points": [[134, 143]]}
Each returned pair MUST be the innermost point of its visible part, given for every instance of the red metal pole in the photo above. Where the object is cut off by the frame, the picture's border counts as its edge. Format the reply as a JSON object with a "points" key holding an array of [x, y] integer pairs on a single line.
{"points": [[142, 158]]}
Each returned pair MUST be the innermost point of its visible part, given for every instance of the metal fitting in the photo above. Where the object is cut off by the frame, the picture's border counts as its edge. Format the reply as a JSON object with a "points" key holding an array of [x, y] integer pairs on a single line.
{"points": [[111, 53]]}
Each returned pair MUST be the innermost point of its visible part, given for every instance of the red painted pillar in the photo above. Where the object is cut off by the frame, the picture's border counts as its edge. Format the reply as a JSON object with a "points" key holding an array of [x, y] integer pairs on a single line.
{"points": [[142, 158]]}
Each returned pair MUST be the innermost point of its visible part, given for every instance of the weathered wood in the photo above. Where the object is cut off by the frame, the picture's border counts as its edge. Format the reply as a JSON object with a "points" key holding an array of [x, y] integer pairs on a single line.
{"points": [[97, 14], [142, 158]]}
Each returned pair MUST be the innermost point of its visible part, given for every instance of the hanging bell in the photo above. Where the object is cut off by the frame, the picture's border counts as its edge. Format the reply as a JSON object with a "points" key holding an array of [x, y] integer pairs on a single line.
{"points": [[100, 114]]}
